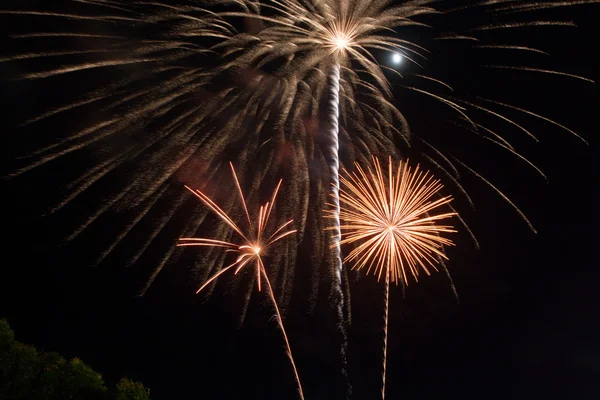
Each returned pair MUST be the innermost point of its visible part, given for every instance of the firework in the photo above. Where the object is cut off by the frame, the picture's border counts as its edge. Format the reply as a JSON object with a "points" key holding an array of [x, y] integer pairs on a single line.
{"points": [[319, 56], [292, 89], [255, 242], [392, 218]]}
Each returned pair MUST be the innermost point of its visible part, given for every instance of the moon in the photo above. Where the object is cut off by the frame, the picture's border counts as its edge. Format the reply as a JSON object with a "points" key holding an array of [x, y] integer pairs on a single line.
{"points": [[396, 58]]}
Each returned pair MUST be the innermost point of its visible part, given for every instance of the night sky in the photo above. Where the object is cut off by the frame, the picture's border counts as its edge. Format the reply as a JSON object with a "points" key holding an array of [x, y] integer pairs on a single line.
{"points": [[526, 324]]}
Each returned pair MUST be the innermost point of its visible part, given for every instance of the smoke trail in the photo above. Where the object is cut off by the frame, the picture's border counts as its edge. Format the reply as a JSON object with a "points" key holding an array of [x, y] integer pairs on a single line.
{"points": [[332, 157], [334, 163]]}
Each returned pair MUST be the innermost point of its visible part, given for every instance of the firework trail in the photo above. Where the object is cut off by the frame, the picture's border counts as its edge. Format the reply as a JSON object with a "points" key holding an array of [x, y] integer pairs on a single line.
{"points": [[386, 311], [334, 165], [391, 218], [255, 243]]}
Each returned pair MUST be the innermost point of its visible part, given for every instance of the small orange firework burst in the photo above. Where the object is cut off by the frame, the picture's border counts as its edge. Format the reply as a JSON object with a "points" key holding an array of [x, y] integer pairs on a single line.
{"points": [[255, 242], [392, 218]]}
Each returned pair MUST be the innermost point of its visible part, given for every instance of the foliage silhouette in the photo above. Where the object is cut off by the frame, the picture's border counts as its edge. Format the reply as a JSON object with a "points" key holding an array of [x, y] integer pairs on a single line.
{"points": [[27, 374]]}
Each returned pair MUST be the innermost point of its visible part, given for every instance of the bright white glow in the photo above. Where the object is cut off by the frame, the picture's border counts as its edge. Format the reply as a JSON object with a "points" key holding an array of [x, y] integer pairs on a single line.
{"points": [[396, 58], [341, 42]]}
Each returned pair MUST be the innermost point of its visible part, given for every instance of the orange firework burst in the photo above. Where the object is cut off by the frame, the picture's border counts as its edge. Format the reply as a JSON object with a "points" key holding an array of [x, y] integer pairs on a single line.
{"points": [[255, 242], [393, 216]]}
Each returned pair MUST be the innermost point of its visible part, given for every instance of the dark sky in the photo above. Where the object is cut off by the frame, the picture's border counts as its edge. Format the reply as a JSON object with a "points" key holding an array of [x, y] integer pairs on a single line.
{"points": [[526, 325]]}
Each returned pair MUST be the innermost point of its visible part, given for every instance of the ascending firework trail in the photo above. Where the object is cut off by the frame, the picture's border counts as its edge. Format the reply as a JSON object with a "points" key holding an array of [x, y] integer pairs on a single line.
{"points": [[333, 159]]}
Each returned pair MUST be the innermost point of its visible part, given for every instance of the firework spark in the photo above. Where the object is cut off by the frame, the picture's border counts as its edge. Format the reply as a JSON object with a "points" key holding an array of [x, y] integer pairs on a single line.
{"points": [[393, 220], [255, 244]]}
